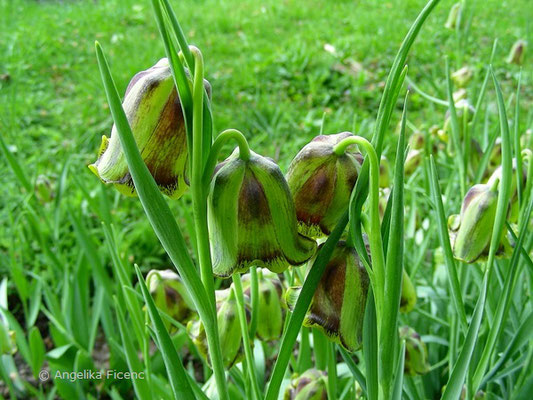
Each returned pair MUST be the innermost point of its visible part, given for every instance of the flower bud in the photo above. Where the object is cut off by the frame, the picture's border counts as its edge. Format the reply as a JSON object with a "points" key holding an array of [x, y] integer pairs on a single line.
{"points": [[408, 295], [461, 107], [417, 140], [338, 305], [459, 94], [154, 113], [170, 295], [311, 385], [412, 161], [516, 55], [229, 330], [453, 16], [43, 189], [462, 76], [7, 341], [478, 212], [416, 353], [513, 198], [252, 218], [270, 309], [321, 183]]}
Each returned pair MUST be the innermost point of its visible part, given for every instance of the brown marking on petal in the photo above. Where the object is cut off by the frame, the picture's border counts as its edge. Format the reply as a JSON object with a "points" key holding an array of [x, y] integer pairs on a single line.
{"points": [[327, 302], [253, 204], [167, 144], [314, 197]]}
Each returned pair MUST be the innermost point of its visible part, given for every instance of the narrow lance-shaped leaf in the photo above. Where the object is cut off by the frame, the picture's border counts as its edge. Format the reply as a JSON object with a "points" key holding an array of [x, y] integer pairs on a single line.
{"points": [[394, 266], [175, 371]]}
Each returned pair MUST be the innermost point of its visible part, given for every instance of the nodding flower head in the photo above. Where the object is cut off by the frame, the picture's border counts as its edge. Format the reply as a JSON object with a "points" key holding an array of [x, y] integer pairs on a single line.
{"points": [[321, 183], [311, 385], [153, 110], [516, 55], [416, 353], [229, 330], [338, 305], [471, 232], [252, 219], [170, 295]]}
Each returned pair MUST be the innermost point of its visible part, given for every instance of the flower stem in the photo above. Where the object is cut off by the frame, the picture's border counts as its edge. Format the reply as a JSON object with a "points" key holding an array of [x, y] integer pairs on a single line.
{"points": [[250, 363], [200, 220], [221, 140]]}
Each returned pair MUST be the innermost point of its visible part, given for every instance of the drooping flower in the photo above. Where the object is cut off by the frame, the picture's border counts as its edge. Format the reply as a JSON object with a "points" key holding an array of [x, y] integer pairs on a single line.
{"points": [[516, 54], [338, 305], [154, 113], [471, 233], [321, 182], [453, 16], [252, 219], [170, 295], [462, 76], [408, 294], [311, 385], [229, 330], [416, 353]]}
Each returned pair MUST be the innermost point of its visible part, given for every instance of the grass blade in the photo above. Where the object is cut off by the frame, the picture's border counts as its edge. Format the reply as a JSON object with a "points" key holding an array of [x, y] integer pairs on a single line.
{"points": [[453, 277], [175, 370]]}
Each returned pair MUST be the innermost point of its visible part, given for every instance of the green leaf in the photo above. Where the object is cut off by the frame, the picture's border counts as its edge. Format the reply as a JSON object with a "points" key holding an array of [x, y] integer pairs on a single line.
{"points": [[370, 347], [394, 267], [140, 384], [175, 371], [37, 350], [453, 277]]}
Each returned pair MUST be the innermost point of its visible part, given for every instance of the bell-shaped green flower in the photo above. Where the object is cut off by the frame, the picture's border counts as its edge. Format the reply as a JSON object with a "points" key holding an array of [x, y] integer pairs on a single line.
{"points": [[44, 189], [170, 295], [154, 113], [321, 182], [252, 219], [311, 385], [229, 330], [270, 306], [338, 305], [408, 294], [472, 231], [416, 352], [516, 54], [462, 76]]}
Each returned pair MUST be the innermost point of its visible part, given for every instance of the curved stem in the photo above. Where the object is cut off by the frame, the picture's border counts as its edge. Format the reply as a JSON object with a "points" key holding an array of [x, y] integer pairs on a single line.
{"points": [[221, 140], [250, 363], [200, 219], [376, 244]]}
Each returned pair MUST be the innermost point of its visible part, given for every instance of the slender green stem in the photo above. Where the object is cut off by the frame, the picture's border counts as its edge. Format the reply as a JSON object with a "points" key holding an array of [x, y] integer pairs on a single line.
{"points": [[332, 371], [200, 219], [254, 299], [221, 140], [250, 363], [376, 244]]}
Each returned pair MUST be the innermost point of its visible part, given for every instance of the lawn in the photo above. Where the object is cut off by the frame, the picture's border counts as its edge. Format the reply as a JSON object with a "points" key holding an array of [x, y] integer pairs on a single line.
{"points": [[282, 72]]}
